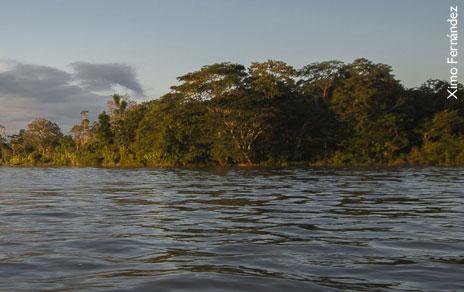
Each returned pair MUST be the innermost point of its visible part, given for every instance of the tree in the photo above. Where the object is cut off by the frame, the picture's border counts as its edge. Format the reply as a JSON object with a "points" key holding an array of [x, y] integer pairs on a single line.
{"points": [[129, 125], [2, 134], [81, 132], [85, 128], [367, 94], [118, 105], [443, 140], [238, 126], [173, 132], [43, 135], [103, 133], [272, 78], [5, 150], [318, 79], [445, 125], [367, 90], [212, 81]]}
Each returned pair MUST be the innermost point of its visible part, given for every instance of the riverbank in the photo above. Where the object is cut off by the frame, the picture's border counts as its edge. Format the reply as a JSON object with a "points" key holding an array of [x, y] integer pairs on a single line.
{"points": [[315, 165], [363, 117]]}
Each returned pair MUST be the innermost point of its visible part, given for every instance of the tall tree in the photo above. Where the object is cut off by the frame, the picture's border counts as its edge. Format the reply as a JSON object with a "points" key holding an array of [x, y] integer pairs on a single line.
{"points": [[272, 78], [212, 81], [103, 133], [43, 135], [367, 93], [319, 79]]}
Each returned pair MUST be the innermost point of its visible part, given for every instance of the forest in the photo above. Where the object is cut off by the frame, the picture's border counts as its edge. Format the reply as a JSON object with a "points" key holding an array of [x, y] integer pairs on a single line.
{"points": [[268, 114]]}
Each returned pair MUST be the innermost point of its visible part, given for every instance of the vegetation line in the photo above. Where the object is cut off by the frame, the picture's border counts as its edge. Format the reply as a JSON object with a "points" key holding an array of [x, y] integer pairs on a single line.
{"points": [[327, 113]]}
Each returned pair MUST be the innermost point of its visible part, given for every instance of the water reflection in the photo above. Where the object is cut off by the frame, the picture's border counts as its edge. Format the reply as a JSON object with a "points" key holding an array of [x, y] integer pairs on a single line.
{"points": [[255, 230]]}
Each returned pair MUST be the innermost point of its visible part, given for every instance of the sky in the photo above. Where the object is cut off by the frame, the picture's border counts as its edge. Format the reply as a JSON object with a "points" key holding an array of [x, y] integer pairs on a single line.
{"points": [[59, 57]]}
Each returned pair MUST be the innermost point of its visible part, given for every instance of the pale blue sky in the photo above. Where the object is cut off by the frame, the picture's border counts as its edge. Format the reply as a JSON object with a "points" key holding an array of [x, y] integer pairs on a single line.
{"points": [[164, 39]]}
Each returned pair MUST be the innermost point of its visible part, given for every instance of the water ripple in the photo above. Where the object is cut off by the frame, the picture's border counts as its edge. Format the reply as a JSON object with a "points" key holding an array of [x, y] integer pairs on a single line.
{"points": [[231, 229]]}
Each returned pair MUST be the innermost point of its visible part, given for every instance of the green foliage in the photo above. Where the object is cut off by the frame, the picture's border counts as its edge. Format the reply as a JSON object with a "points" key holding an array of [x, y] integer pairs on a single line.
{"points": [[272, 78], [42, 135], [319, 79], [173, 133], [103, 132], [327, 113], [443, 140], [211, 81]]}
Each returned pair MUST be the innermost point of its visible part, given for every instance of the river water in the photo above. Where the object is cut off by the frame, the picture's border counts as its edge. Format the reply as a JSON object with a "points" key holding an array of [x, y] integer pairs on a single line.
{"points": [[231, 229]]}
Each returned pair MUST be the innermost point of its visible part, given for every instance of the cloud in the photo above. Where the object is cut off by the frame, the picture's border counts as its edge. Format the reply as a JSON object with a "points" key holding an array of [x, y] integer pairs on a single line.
{"points": [[37, 82], [31, 91], [103, 76]]}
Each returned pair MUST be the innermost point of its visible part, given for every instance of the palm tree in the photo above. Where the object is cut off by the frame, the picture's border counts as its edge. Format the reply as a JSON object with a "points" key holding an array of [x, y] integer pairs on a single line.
{"points": [[118, 105]]}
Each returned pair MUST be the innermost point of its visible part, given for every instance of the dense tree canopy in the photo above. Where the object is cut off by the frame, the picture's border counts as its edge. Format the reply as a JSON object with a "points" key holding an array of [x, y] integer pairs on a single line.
{"points": [[270, 113]]}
